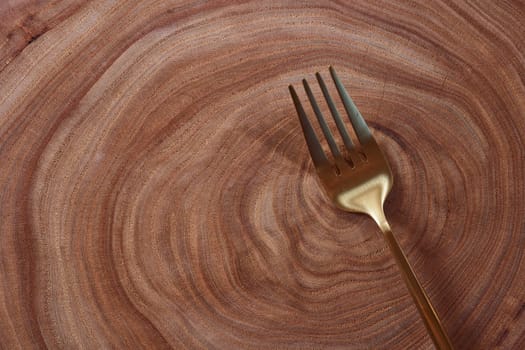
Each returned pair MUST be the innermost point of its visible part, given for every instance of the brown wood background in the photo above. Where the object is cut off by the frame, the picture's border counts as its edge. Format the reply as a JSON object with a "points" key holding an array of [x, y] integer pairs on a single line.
{"points": [[156, 191]]}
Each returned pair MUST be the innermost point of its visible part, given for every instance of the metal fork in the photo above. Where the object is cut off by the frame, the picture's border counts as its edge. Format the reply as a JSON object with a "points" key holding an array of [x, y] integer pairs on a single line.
{"points": [[358, 180]]}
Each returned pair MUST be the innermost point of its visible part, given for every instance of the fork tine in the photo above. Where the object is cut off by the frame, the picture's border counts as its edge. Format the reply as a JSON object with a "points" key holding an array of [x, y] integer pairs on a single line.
{"points": [[335, 114], [316, 151], [326, 131], [358, 123]]}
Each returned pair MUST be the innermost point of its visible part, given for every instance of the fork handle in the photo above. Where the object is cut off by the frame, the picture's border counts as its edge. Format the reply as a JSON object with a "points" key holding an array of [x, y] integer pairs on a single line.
{"points": [[425, 308]]}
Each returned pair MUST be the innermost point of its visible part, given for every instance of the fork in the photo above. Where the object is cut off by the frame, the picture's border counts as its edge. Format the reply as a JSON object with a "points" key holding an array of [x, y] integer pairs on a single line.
{"points": [[358, 180]]}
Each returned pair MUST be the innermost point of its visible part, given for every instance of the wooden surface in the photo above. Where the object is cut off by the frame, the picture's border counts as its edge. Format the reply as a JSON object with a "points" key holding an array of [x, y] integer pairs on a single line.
{"points": [[156, 191]]}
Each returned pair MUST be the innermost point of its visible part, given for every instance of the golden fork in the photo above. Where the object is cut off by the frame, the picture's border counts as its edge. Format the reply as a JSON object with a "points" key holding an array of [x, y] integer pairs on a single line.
{"points": [[359, 181]]}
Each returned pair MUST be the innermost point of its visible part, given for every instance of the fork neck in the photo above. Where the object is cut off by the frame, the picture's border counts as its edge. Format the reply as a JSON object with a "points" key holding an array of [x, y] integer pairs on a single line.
{"points": [[378, 214], [382, 223]]}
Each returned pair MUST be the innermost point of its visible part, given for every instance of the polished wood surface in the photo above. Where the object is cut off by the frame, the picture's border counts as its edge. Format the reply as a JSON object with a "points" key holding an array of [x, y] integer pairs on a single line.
{"points": [[156, 190]]}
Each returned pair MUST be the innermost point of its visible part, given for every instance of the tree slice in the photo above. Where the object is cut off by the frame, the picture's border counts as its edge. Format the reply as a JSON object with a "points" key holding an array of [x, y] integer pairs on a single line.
{"points": [[156, 190]]}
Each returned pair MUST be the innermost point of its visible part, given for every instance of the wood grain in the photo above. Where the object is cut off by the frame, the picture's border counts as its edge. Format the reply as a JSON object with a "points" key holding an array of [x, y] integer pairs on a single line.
{"points": [[156, 191]]}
